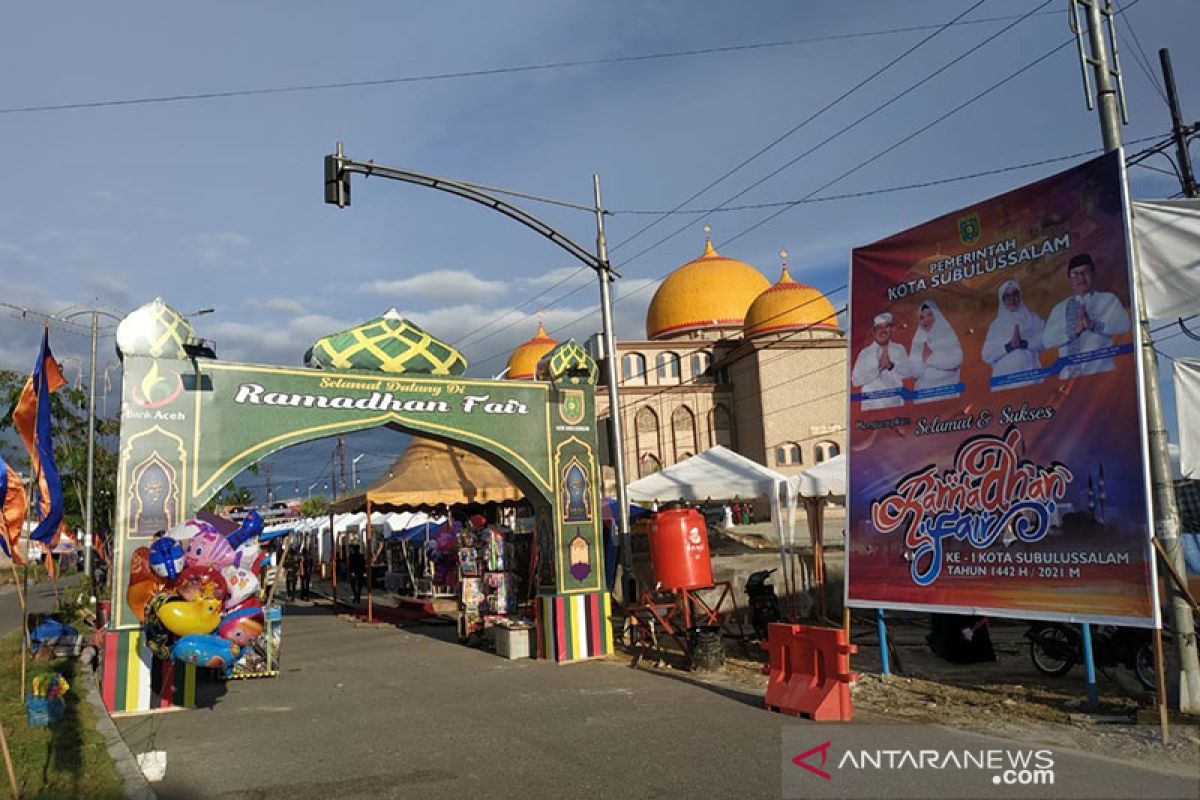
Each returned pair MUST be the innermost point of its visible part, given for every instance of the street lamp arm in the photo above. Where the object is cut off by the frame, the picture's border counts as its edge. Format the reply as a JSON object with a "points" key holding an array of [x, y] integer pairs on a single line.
{"points": [[477, 195]]}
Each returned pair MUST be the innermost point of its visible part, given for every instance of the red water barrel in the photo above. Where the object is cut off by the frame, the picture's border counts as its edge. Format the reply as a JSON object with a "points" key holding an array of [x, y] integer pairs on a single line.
{"points": [[679, 549]]}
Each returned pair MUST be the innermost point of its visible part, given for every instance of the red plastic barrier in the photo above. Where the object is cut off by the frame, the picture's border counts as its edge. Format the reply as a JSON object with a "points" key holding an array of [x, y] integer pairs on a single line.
{"points": [[810, 672]]}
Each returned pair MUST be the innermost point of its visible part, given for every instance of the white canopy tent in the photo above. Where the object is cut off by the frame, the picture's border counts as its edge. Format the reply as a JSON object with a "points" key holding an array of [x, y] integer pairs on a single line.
{"points": [[718, 472], [814, 487]]}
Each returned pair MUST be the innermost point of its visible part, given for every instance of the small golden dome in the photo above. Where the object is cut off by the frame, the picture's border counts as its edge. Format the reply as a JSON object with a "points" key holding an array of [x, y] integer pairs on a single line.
{"points": [[523, 362], [789, 306], [710, 292]]}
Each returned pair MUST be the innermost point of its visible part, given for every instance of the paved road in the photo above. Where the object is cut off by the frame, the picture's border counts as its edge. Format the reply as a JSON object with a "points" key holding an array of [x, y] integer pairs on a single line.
{"points": [[41, 599], [372, 713]]}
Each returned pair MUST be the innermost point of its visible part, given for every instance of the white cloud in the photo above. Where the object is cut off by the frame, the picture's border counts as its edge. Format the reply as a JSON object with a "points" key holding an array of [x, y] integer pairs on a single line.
{"points": [[14, 254], [443, 284], [286, 304], [223, 247]]}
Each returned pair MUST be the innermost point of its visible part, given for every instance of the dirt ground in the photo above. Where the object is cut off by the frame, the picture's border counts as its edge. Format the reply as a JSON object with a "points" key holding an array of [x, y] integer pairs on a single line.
{"points": [[1008, 697]]}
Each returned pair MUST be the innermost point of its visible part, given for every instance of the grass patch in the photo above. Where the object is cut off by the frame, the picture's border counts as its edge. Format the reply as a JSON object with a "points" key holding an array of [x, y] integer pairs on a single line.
{"points": [[68, 759]]}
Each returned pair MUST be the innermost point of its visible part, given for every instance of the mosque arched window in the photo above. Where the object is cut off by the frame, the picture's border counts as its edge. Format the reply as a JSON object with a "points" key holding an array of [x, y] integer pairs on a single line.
{"points": [[633, 369], [648, 464], [645, 424], [668, 368], [788, 454], [683, 433], [700, 364], [722, 427], [826, 451]]}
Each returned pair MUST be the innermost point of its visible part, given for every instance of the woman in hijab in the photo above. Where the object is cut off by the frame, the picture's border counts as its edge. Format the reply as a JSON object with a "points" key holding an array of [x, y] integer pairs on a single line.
{"points": [[935, 354], [1014, 339]]}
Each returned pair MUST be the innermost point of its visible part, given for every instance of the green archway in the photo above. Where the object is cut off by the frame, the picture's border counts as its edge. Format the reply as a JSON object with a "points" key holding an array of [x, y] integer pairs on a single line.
{"points": [[189, 425]]}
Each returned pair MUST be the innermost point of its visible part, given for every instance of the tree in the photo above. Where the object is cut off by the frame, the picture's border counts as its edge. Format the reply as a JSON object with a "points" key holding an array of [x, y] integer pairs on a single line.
{"points": [[314, 507], [69, 425]]}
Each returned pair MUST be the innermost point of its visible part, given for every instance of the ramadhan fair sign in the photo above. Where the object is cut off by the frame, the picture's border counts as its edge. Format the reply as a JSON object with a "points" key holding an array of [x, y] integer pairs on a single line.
{"points": [[997, 443]]}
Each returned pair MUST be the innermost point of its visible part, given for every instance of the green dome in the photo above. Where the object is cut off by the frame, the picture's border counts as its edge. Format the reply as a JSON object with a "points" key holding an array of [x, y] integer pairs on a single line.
{"points": [[388, 343]]}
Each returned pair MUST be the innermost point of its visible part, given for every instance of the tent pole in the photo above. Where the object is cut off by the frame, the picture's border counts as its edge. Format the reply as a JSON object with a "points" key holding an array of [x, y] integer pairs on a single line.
{"points": [[333, 558], [370, 559]]}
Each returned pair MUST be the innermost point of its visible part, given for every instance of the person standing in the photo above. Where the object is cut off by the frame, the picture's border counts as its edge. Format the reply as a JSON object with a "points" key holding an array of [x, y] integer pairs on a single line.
{"points": [[291, 568], [1085, 322], [306, 571], [935, 355], [1014, 339], [881, 366], [357, 567]]}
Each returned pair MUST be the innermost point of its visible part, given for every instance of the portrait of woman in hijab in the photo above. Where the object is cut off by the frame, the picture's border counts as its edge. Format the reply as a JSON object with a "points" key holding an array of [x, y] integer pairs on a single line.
{"points": [[1014, 340], [935, 354]]}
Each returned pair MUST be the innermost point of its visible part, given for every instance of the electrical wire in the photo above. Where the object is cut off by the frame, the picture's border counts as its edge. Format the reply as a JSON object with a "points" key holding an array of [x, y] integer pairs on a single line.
{"points": [[1142, 59], [478, 73]]}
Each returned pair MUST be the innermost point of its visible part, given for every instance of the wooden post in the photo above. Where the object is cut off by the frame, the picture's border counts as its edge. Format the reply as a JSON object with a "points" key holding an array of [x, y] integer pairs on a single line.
{"points": [[1160, 679], [370, 544], [12, 777]]}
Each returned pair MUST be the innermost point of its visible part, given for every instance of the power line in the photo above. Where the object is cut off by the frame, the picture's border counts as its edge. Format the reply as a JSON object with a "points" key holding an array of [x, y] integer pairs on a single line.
{"points": [[1142, 60], [762, 151], [862, 164], [777, 140], [962, 56], [478, 73]]}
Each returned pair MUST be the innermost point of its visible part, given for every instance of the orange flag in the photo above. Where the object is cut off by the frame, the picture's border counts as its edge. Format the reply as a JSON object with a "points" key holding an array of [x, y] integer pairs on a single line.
{"points": [[14, 505], [31, 418]]}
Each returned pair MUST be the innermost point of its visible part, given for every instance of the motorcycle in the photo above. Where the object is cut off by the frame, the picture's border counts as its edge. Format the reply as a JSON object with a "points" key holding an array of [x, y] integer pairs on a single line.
{"points": [[764, 605], [1055, 647]]}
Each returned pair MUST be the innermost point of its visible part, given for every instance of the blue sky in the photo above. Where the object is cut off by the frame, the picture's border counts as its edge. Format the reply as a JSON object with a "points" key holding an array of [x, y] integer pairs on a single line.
{"points": [[217, 202]]}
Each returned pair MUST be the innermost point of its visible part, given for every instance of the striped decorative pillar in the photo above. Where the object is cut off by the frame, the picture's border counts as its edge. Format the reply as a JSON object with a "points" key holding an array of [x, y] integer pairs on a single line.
{"points": [[574, 627], [135, 682]]}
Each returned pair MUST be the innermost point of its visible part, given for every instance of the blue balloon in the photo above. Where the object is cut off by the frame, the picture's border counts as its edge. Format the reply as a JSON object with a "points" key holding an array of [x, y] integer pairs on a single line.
{"points": [[251, 526], [205, 650], [166, 557]]}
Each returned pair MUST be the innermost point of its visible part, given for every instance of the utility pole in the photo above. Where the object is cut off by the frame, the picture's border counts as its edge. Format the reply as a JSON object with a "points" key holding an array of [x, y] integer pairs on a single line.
{"points": [[341, 449], [1166, 513], [88, 533], [1184, 156], [267, 473], [616, 445]]}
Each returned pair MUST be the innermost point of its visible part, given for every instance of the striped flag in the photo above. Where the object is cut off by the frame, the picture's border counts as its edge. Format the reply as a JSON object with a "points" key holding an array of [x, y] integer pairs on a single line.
{"points": [[13, 506], [31, 418]]}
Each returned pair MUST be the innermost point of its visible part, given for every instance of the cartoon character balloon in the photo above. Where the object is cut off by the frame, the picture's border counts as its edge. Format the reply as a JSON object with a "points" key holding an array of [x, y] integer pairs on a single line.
{"points": [[202, 581], [191, 528], [247, 554], [244, 624], [209, 549], [166, 557], [205, 650], [242, 584], [250, 528], [185, 617]]}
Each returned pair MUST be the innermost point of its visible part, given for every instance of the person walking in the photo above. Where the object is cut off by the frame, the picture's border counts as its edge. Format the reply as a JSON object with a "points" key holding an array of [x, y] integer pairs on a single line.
{"points": [[291, 568], [357, 567], [306, 571]]}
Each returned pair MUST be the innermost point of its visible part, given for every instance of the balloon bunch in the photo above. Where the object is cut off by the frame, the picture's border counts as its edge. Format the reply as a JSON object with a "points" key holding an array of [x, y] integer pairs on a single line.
{"points": [[50, 688], [196, 592]]}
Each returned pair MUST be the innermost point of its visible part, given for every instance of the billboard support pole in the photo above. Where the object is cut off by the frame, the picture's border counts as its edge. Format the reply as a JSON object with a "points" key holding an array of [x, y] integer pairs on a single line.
{"points": [[1166, 513]]}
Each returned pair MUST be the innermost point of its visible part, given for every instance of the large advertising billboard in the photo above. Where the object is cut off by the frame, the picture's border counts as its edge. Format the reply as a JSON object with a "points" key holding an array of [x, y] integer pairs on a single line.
{"points": [[997, 459]]}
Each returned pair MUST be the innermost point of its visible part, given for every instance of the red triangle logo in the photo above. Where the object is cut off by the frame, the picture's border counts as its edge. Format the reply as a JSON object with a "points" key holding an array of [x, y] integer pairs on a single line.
{"points": [[802, 760]]}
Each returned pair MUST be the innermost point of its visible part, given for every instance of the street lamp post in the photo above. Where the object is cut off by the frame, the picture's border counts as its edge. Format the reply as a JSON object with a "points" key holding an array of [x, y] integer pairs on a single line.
{"points": [[354, 469], [88, 530], [337, 192], [310, 488]]}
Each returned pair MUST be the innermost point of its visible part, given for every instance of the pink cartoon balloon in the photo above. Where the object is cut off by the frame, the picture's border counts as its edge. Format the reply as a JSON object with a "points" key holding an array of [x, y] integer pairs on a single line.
{"points": [[243, 624], [209, 549]]}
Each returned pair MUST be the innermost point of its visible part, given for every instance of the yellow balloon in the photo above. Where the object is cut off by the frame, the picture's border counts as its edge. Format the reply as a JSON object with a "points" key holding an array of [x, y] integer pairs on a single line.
{"points": [[185, 617]]}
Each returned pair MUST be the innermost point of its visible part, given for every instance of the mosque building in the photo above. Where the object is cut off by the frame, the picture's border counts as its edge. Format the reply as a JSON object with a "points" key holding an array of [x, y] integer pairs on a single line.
{"points": [[728, 359]]}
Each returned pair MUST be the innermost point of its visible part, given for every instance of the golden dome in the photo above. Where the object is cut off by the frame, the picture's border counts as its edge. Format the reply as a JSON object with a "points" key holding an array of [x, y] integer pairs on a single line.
{"points": [[523, 361], [710, 292], [789, 306]]}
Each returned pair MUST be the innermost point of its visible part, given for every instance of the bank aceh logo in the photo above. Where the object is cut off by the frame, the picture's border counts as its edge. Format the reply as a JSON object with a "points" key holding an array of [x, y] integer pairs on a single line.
{"points": [[802, 760]]}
